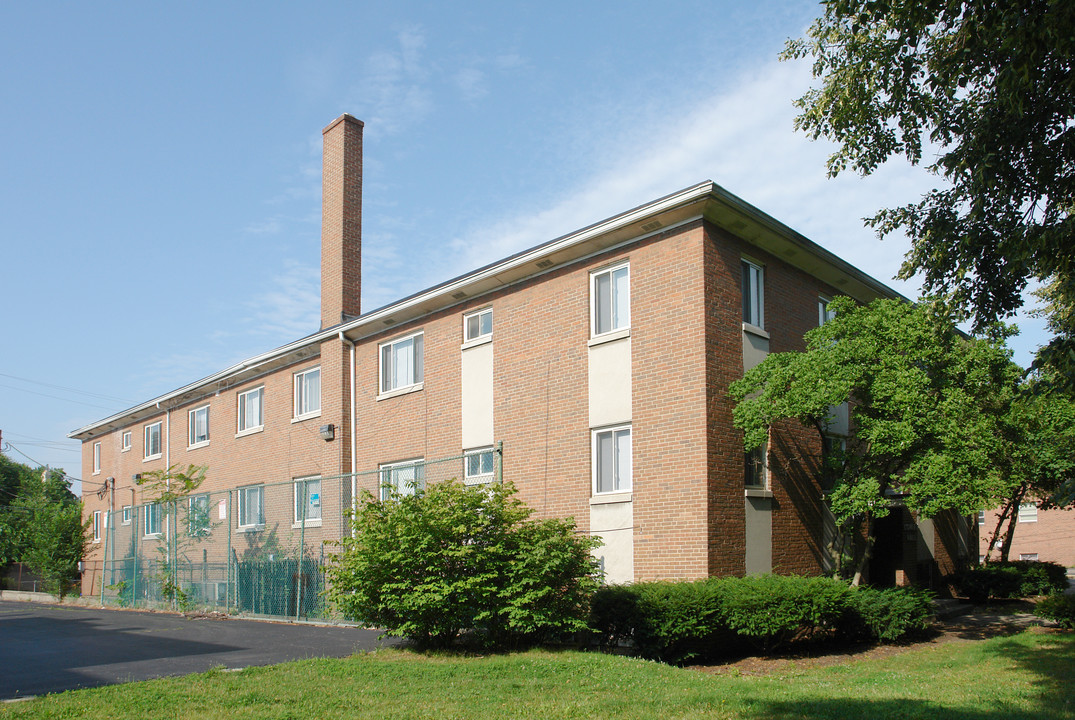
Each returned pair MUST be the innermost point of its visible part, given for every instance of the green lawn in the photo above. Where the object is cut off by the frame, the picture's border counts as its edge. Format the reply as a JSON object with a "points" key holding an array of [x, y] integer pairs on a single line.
{"points": [[1024, 676]]}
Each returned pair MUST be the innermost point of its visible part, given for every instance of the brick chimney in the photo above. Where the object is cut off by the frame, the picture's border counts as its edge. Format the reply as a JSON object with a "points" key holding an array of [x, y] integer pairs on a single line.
{"points": [[341, 221]]}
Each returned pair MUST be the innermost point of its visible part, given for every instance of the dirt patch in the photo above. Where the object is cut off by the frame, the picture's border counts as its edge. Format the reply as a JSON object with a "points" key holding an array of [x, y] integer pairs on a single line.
{"points": [[977, 624]]}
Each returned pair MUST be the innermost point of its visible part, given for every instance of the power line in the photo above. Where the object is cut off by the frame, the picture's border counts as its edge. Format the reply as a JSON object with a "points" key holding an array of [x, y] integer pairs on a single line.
{"points": [[68, 389], [56, 397]]}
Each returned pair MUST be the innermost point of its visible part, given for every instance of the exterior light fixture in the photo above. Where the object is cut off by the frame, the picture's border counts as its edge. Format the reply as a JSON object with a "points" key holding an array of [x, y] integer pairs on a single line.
{"points": [[328, 432]]}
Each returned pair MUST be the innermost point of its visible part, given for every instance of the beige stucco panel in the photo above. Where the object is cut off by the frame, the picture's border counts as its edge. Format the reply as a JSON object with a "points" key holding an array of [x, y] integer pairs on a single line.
{"points": [[610, 382], [614, 524], [477, 396]]}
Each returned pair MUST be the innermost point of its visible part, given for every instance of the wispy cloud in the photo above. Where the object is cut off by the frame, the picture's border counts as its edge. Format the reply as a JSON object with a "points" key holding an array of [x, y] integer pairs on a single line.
{"points": [[290, 306], [393, 92]]}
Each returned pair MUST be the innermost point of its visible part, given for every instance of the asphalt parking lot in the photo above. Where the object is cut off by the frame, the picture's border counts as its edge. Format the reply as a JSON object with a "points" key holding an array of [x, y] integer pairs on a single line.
{"points": [[51, 648]]}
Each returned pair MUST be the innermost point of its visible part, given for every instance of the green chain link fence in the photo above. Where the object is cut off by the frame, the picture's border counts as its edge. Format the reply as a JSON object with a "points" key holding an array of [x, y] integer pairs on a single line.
{"points": [[257, 549]]}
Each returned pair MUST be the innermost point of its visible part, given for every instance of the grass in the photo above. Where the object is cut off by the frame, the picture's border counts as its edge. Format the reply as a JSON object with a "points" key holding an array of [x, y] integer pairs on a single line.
{"points": [[1022, 676]]}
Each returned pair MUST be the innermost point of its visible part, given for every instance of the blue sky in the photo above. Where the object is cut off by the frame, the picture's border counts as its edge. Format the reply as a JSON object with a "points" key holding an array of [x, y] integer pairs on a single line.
{"points": [[160, 167]]}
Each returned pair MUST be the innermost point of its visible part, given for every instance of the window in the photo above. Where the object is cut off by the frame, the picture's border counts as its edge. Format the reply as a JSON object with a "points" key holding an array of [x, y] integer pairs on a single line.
{"points": [[401, 363], [612, 460], [1032, 557], [308, 501], [1028, 512], [756, 467], [981, 517], [824, 314], [478, 466], [152, 519], [125, 443], [402, 478], [610, 300], [97, 526], [753, 294], [308, 393], [250, 403], [152, 447], [198, 515], [478, 325], [96, 458], [126, 515], [198, 422], [251, 509]]}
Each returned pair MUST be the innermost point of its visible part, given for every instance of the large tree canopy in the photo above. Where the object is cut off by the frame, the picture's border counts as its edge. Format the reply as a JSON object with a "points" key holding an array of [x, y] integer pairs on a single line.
{"points": [[990, 88]]}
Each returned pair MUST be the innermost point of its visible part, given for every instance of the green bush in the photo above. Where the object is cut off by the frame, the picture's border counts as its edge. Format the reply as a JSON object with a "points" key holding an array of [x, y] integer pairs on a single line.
{"points": [[451, 559], [1012, 579], [888, 615], [770, 610], [1059, 608]]}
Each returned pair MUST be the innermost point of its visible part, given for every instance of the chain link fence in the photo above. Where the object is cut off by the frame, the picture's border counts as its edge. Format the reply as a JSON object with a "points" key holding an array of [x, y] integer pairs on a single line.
{"points": [[256, 549]]}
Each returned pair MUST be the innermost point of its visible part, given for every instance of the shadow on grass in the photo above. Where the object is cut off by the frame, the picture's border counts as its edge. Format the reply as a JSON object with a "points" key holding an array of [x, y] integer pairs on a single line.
{"points": [[1050, 663]]}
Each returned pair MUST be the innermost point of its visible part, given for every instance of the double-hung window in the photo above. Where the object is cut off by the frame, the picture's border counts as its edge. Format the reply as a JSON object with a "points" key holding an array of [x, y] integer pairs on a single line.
{"points": [[198, 515], [402, 478], [198, 423], [126, 515], [249, 410], [610, 300], [1028, 512], [755, 468], [479, 466], [97, 526], [96, 458], [152, 447], [125, 443], [401, 363], [308, 501], [251, 506], [612, 460], [308, 393], [824, 314], [753, 294], [151, 516], [478, 325]]}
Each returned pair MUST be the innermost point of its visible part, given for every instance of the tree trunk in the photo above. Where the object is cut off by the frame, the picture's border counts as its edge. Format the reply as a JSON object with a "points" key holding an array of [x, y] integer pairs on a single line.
{"points": [[1009, 514], [866, 554]]}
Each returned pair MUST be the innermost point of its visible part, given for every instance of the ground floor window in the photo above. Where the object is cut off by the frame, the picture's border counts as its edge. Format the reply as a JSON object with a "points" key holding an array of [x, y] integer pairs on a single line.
{"points": [[402, 478]]}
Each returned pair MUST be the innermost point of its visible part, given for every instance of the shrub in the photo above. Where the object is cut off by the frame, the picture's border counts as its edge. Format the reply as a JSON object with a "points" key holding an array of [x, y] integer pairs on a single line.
{"points": [[1058, 608], [451, 559], [1012, 579], [889, 615], [770, 610]]}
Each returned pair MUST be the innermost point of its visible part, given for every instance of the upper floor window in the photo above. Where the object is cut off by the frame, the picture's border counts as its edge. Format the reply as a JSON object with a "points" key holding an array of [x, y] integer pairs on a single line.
{"points": [[402, 478], [152, 447], [610, 299], [96, 458], [478, 325], [308, 393], [250, 405], [824, 314], [756, 468], [612, 460], [1028, 512], [198, 423], [401, 363], [125, 442], [753, 294]]}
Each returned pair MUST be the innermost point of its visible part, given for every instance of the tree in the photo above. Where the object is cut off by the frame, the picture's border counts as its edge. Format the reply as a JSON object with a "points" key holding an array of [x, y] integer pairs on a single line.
{"points": [[989, 87], [451, 558], [926, 407]]}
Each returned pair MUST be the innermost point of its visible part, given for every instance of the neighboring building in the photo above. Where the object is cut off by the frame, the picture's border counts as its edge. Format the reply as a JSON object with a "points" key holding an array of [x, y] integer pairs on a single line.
{"points": [[601, 360], [1046, 535]]}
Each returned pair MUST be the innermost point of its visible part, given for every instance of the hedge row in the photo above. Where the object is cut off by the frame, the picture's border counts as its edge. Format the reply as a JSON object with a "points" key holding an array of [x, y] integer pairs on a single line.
{"points": [[1012, 579], [680, 621]]}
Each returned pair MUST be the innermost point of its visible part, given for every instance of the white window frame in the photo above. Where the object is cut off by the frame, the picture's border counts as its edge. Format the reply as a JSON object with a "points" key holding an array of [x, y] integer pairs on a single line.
{"points": [[198, 517], [755, 464], [241, 421], [146, 454], [301, 491], [753, 280], [125, 518], [417, 365], [151, 510], [125, 441], [390, 482], [97, 458], [243, 497], [981, 517], [473, 461], [619, 310], [307, 404], [1028, 512], [97, 526], [622, 480], [1029, 557], [483, 326], [824, 315], [192, 427]]}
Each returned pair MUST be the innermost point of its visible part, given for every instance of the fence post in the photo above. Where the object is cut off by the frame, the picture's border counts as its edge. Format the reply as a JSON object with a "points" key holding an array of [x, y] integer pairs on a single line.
{"points": [[302, 548], [500, 462], [104, 562], [227, 570]]}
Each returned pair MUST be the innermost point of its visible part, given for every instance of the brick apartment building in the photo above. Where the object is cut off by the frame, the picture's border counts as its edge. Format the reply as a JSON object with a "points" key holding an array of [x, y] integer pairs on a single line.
{"points": [[600, 360], [1045, 535]]}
